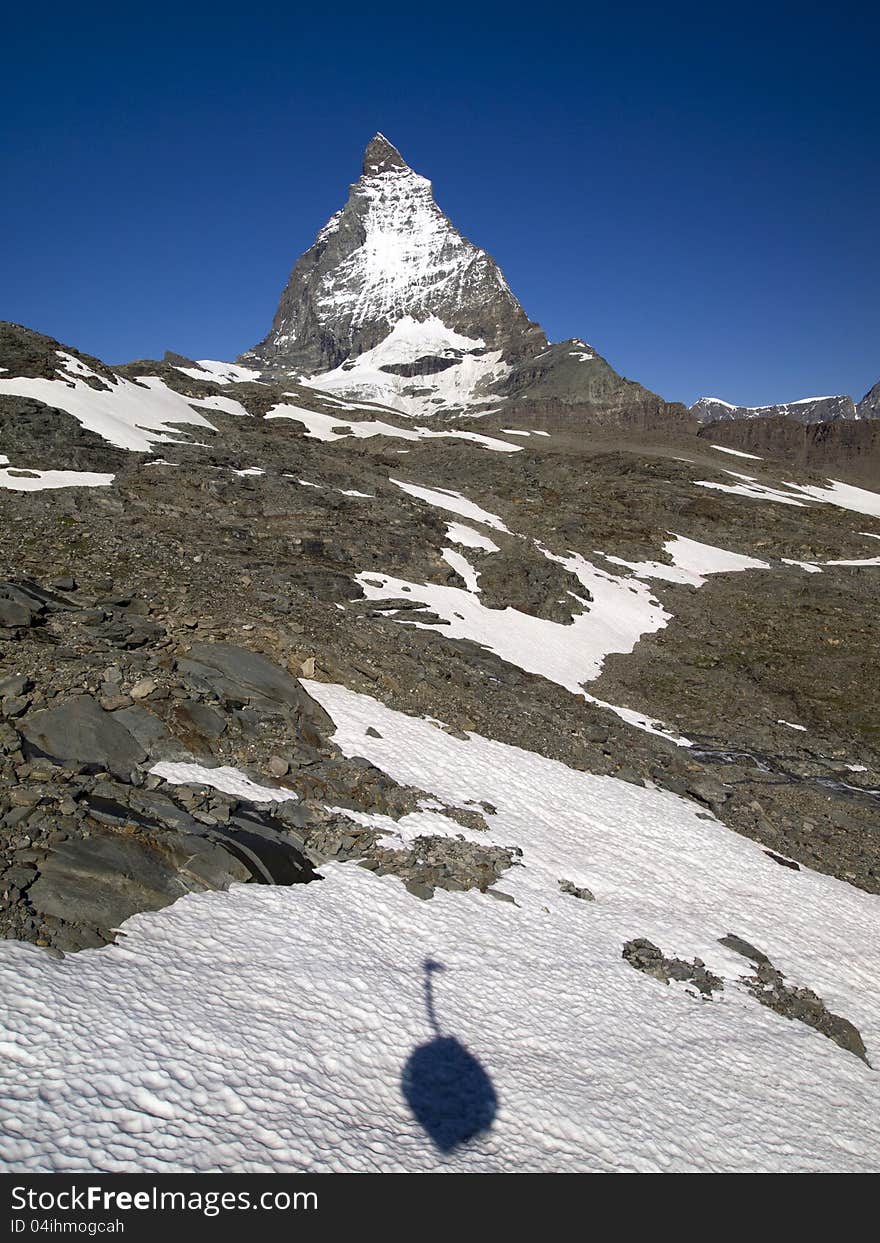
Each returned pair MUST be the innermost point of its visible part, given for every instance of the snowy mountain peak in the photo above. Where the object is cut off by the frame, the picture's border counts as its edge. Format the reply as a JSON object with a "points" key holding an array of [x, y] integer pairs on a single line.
{"points": [[392, 254], [381, 156]]}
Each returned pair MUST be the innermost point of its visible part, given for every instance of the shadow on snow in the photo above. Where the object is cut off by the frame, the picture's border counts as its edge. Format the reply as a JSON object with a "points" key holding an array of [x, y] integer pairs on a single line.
{"points": [[445, 1086]]}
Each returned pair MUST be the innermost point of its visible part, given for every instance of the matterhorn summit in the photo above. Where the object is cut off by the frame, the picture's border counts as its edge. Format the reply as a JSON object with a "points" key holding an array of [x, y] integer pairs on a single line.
{"points": [[391, 291]]}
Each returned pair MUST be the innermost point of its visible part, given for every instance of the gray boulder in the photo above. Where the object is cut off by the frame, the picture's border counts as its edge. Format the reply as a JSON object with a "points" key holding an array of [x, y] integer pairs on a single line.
{"points": [[78, 732], [247, 677]]}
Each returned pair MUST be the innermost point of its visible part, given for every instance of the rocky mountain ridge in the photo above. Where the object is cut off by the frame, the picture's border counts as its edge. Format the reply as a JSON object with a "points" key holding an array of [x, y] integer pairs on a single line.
{"points": [[805, 410]]}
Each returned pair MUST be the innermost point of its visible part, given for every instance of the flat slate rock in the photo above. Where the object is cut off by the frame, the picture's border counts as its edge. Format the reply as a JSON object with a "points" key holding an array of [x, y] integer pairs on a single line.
{"points": [[79, 731], [102, 880], [239, 674]]}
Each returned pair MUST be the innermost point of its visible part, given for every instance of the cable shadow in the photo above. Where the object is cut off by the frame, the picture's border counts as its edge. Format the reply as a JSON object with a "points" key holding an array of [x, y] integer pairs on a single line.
{"points": [[445, 1085]]}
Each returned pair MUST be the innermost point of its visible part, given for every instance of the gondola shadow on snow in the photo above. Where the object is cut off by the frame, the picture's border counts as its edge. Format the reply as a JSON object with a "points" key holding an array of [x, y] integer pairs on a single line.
{"points": [[445, 1086]]}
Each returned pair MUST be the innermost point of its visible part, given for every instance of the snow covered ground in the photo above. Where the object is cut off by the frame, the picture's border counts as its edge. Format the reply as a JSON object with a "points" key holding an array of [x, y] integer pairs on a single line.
{"points": [[275, 1029], [327, 428], [131, 416], [843, 495], [24, 479]]}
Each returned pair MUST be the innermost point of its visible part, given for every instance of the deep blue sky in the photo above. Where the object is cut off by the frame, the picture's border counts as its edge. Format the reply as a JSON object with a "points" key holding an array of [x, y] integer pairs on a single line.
{"points": [[695, 194]]}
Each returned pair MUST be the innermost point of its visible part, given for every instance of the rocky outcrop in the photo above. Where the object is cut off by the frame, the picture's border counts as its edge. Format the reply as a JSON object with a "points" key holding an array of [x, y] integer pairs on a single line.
{"points": [[851, 445], [569, 384]]}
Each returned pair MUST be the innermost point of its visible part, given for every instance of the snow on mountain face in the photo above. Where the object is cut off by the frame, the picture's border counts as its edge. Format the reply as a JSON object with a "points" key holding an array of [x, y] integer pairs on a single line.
{"points": [[806, 410], [420, 368], [388, 255]]}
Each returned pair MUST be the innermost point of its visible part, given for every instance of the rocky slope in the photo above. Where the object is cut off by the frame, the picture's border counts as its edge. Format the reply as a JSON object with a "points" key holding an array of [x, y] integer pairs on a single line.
{"points": [[304, 699], [311, 537], [300, 699]]}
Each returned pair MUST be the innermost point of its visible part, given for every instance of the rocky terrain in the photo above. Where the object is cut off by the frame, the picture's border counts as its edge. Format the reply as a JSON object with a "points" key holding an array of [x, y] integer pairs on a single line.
{"points": [[166, 617]]}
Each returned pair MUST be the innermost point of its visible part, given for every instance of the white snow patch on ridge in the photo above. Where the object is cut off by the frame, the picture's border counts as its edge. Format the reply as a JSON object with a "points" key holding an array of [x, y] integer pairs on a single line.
{"points": [[220, 372], [130, 416], [620, 613], [327, 427], [737, 452], [843, 495], [692, 562], [203, 1041], [454, 502], [459, 533]]}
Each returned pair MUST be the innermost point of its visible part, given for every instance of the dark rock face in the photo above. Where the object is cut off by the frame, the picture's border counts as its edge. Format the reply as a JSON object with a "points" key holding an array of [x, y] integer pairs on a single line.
{"points": [[389, 253], [853, 444], [239, 674], [80, 732], [869, 406], [809, 410], [568, 384]]}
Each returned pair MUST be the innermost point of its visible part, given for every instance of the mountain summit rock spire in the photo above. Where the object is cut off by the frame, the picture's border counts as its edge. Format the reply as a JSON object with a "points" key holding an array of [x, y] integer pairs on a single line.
{"points": [[381, 156]]}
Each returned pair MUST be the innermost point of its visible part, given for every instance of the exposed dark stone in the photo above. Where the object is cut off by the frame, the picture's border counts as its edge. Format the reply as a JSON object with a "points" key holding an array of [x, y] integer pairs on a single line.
{"points": [[80, 732], [646, 957]]}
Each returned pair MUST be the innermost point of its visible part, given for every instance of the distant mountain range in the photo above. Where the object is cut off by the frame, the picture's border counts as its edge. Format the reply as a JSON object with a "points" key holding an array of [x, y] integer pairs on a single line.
{"points": [[806, 410]]}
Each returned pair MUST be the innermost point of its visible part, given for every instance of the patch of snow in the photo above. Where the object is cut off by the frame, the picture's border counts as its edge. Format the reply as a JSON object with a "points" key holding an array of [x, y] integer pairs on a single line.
{"points": [[220, 372], [462, 567], [128, 415], [737, 452], [327, 428], [791, 725], [218, 402], [39, 480], [203, 1041], [692, 562], [454, 502], [807, 566], [843, 495], [620, 613], [752, 489], [226, 780], [469, 538]]}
